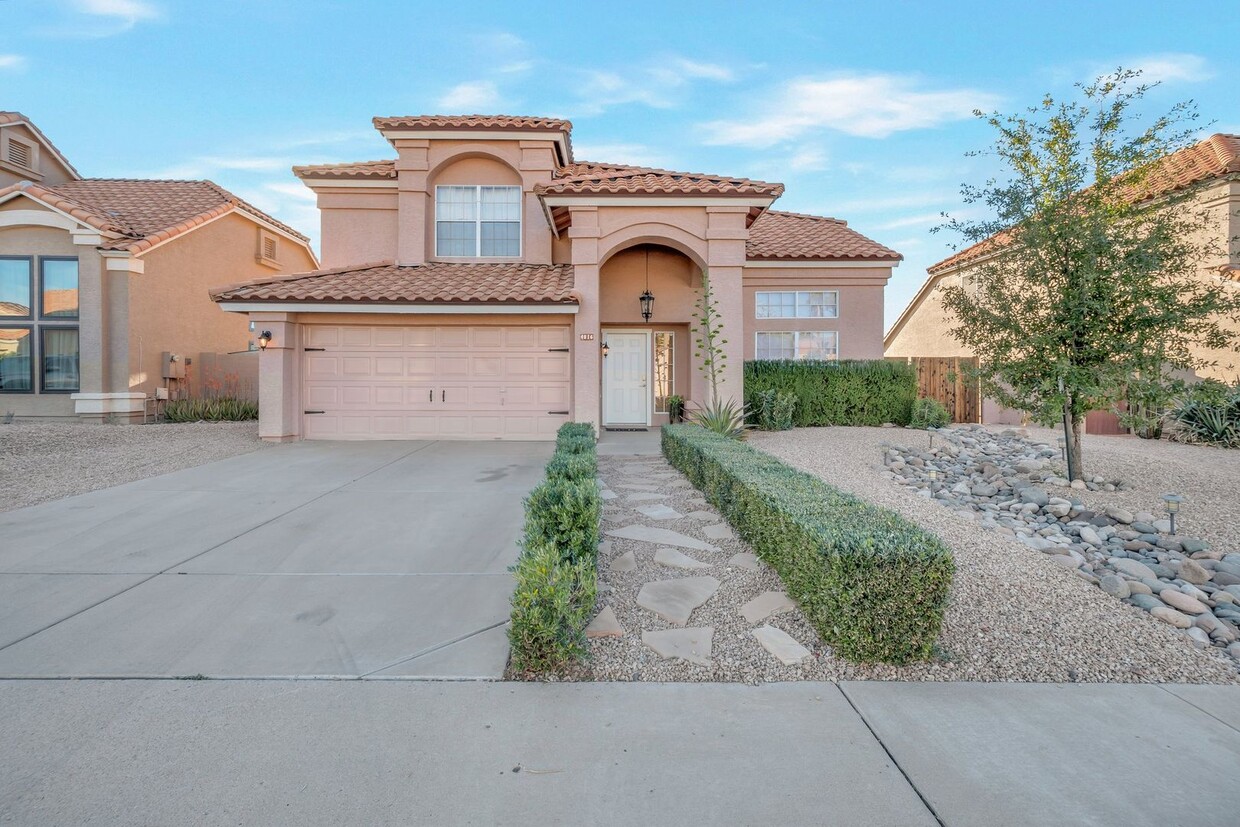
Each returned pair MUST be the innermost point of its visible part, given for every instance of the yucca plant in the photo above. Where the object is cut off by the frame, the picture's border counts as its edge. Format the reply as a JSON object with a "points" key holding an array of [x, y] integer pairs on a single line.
{"points": [[723, 417], [224, 409], [1210, 414]]}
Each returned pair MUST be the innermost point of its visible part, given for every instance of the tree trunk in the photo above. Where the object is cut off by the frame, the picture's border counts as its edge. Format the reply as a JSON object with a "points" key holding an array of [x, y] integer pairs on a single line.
{"points": [[1072, 427]]}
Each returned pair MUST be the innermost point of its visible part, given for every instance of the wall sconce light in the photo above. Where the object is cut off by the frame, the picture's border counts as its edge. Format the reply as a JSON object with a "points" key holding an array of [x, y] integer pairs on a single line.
{"points": [[264, 339], [1173, 507], [605, 348], [647, 301]]}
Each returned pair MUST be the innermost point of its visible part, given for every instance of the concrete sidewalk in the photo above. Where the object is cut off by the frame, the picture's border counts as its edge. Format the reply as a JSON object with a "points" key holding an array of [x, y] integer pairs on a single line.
{"points": [[401, 752]]}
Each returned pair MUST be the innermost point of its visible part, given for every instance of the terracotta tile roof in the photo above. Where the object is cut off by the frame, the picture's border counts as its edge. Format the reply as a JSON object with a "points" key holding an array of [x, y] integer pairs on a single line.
{"points": [[9, 117], [1214, 157], [472, 122], [354, 169], [143, 213], [585, 177], [431, 282], [778, 236]]}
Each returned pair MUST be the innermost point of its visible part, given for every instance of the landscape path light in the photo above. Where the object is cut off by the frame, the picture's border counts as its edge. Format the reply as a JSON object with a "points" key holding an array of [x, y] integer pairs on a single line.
{"points": [[1173, 507]]}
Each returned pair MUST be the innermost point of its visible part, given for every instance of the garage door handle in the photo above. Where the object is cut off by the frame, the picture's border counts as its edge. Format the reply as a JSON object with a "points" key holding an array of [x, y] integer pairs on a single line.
{"points": [[443, 396], [313, 412], [314, 348], [557, 350], [558, 413], [430, 395]]}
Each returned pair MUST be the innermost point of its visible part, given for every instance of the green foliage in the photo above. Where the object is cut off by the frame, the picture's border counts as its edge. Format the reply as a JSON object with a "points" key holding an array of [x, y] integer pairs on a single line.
{"points": [[773, 410], [848, 392], [675, 408], [1094, 278], [575, 438], [551, 607], [572, 466], [1208, 413], [929, 413], [725, 418], [564, 514], [874, 585], [708, 346], [224, 409], [575, 429]]}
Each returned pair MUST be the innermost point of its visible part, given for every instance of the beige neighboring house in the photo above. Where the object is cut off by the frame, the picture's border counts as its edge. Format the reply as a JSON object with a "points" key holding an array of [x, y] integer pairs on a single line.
{"points": [[100, 277], [1212, 167], [487, 284]]}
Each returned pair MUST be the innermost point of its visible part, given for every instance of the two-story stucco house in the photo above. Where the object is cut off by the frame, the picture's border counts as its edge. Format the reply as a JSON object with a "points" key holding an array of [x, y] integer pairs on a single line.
{"points": [[486, 284], [100, 277]]}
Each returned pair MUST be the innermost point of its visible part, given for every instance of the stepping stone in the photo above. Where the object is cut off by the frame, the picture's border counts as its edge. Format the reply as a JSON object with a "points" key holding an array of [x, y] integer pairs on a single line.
{"points": [[659, 512], [677, 484], [672, 557], [719, 531], [702, 515], [780, 644], [604, 547], [692, 645], [640, 486], [605, 624], [767, 604], [644, 496], [625, 562], [660, 536], [675, 600], [607, 494], [745, 561]]}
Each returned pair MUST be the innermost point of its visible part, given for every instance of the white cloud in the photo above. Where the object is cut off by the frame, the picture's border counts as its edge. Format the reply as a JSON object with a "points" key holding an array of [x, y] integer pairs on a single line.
{"points": [[659, 84], [864, 105], [12, 62], [298, 191], [129, 11], [469, 97], [807, 159], [923, 220], [705, 71], [1172, 67]]}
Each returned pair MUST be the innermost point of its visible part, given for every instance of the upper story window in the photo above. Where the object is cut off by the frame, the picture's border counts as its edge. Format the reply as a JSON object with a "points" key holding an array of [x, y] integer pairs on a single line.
{"points": [[798, 304], [477, 222]]}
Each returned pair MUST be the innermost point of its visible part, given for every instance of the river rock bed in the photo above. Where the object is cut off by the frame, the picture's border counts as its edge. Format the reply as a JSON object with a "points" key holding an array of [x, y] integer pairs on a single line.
{"points": [[1017, 486]]}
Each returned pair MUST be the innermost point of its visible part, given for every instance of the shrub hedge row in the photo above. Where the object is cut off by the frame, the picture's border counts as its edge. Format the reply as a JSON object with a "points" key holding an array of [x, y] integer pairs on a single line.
{"points": [[861, 392], [223, 409], [874, 585], [557, 570]]}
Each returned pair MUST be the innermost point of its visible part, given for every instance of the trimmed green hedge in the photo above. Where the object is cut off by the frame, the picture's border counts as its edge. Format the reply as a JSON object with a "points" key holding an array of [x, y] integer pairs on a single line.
{"points": [[874, 585], [860, 392], [558, 568]]}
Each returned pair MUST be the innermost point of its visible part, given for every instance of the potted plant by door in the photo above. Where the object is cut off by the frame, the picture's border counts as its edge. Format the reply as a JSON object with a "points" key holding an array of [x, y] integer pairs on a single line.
{"points": [[675, 409]]}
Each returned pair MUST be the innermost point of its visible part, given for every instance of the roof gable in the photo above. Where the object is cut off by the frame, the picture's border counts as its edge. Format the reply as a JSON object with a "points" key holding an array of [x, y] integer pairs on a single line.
{"points": [[9, 118]]}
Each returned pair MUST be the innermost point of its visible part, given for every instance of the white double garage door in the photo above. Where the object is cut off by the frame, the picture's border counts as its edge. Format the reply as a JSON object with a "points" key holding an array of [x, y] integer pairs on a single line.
{"points": [[435, 381]]}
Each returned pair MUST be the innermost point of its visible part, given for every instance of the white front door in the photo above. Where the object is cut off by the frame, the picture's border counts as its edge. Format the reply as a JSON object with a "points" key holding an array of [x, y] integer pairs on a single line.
{"points": [[626, 385]]}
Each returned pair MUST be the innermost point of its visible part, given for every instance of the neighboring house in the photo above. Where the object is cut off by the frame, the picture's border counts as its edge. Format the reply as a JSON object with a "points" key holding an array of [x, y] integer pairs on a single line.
{"points": [[485, 284], [1212, 167], [100, 277]]}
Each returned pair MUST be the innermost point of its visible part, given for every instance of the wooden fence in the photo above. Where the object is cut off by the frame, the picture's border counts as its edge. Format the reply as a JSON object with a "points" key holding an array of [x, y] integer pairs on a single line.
{"points": [[943, 378]]}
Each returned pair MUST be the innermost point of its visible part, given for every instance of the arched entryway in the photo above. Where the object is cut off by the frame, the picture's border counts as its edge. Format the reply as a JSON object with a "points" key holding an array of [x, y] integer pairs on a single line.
{"points": [[646, 361]]}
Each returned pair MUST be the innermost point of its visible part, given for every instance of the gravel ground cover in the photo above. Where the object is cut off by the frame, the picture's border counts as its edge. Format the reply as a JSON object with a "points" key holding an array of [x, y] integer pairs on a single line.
{"points": [[47, 461]]}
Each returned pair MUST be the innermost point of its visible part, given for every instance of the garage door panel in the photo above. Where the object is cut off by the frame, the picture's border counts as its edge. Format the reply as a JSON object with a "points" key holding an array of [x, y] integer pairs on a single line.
{"points": [[447, 382]]}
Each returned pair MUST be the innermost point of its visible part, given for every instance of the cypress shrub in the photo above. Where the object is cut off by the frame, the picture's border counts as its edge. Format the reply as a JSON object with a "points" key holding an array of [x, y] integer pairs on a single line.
{"points": [[551, 607], [566, 466], [850, 392], [874, 585]]}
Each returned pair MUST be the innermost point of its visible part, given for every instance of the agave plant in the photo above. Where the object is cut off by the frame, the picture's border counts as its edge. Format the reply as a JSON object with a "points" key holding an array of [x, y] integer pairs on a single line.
{"points": [[726, 418], [1209, 421]]}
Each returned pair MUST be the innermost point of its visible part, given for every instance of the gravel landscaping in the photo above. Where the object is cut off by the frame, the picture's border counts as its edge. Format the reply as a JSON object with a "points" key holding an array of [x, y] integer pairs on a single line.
{"points": [[47, 461], [1015, 615]]}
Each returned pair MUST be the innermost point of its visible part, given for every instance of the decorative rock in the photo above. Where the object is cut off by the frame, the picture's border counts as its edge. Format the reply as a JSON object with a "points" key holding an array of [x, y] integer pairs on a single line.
{"points": [[607, 494], [1119, 515], [745, 561], [765, 605], [1183, 602], [782, 645], [1115, 586], [625, 562], [1192, 571], [675, 600], [1137, 587], [984, 490], [1035, 496], [662, 536], [1061, 509], [605, 624], [1090, 536], [1132, 567], [1169, 615], [1192, 545], [1143, 528], [1078, 485], [692, 645], [1145, 601], [675, 559], [644, 496], [1162, 526], [1199, 638], [719, 531]]}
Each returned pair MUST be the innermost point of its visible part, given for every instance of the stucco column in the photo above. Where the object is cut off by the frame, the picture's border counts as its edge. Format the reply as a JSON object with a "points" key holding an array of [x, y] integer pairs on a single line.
{"points": [[412, 199], [726, 234], [587, 356], [279, 379]]}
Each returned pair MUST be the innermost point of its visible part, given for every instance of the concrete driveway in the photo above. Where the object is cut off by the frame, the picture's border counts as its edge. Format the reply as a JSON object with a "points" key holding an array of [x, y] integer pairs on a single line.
{"points": [[314, 559]]}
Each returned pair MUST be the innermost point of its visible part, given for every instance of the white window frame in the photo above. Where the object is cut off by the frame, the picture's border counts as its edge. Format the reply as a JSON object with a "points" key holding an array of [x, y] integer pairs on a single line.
{"points": [[671, 335], [796, 343], [796, 303], [478, 222]]}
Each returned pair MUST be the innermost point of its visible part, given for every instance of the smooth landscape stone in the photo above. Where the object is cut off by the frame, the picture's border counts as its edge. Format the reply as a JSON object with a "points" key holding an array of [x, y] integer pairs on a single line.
{"points": [[659, 512], [639, 486], [1183, 602], [1168, 615], [604, 547], [1132, 567], [660, 536], [766, 605], [719, 531], [1147, 602], [644, 496], [607, 494], [675, 559], [1090, 536], [692, 645], [1143, 527], [675, 600], [745, 561], [1115, 585], [1137, 587], [1192, 571], [782, 645], [702, 515], [1036, 496], [1192, 545], [625, 562], [1119, 515], [605, 624]]}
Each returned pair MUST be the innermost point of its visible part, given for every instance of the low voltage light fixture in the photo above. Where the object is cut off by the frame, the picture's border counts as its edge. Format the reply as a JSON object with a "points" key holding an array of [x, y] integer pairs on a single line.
{"points": [[606, 348], [264, 339], [1173, 507]]}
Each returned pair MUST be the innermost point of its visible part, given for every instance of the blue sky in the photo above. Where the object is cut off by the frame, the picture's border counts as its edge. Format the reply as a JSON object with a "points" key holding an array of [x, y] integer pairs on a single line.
{"points": [[861, 109]]}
